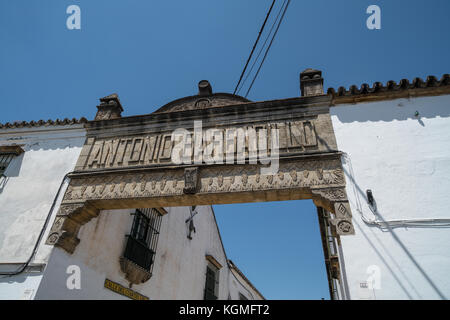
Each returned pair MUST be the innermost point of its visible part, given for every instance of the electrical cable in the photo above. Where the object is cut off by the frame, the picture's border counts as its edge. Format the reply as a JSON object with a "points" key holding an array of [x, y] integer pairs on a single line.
{"points": [[417, 223], [261, 49], [254, 46], [389, 225], [41, 234], [268, 48]]}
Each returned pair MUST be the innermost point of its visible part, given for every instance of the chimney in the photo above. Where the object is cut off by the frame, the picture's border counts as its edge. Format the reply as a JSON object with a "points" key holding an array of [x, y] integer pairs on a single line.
{"points": [[109, 108], [311, 83]]}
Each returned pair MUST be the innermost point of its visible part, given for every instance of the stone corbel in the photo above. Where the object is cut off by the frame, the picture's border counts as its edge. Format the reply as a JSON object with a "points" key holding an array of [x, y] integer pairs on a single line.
{"points": [[335, 201], [68, 221], [343, 219]]}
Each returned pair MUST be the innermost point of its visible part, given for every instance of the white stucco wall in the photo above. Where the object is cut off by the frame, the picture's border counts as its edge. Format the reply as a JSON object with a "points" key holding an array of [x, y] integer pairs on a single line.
{"points": [[238, 285], [179, 265], [405, 161], [26, 196]]}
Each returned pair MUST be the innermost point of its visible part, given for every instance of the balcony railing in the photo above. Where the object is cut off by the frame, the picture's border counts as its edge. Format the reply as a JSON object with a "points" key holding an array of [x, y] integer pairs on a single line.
{"points": [[209, 296], [138, 253]]}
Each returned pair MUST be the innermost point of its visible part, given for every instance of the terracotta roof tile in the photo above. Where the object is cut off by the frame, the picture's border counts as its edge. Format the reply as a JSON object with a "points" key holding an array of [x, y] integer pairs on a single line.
{"points": [[391, 86], [58, 122]]}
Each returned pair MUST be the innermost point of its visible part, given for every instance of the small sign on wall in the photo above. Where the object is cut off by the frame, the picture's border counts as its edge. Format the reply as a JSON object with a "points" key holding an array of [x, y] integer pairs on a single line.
{"points": [[113, 286], [27, 294]]}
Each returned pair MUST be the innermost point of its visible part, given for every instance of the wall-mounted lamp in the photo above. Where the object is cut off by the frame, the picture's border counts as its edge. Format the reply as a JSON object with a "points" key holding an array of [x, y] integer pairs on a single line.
{"points": [[370, 198]]}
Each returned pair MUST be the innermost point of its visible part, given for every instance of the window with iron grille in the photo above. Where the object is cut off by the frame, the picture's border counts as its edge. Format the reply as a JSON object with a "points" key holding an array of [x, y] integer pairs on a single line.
{"points": [[143, 239], [242, 297], [5, 159], [212, 283], [7, 153]]}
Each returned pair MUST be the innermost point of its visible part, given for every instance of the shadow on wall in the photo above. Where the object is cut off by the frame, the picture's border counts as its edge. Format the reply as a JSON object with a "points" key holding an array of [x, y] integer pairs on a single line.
{"points": [[359, 192], [60, 144], [3, 182], [399, 109], [19, 278], [13, 169]]}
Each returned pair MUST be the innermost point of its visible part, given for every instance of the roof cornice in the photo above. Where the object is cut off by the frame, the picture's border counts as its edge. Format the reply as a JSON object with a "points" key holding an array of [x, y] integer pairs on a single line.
{"points": [[378, 92], [40, 123], [390, 91], [235, 268]]}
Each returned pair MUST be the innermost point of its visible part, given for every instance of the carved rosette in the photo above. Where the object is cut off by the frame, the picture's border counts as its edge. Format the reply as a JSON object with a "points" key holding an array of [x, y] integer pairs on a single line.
{"points": [[343, 219], [343, 227], [56, 230]]}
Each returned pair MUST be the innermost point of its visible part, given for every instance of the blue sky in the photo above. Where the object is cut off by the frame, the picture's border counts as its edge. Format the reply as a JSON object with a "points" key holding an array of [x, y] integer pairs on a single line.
{"points": [[278, 247], [152, 52]]}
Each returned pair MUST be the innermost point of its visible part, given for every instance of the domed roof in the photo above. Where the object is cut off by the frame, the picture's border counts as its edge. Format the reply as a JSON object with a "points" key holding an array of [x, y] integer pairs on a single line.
{"points": [[204, 99]]}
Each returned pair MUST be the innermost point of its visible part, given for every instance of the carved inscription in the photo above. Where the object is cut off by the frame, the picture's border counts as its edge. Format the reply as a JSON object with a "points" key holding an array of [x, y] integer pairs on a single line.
{"points": [[135, 163], [294, 136]]}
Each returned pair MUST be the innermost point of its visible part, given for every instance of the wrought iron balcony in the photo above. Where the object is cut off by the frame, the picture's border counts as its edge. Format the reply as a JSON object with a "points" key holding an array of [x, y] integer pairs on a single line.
{"points": [[139, 253], [209, 296]]}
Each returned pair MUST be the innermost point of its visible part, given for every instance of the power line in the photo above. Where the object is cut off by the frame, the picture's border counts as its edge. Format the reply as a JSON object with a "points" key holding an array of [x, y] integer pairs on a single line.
{"points": [[41, 234], [261, 49], [268, 48], [254, 46]]}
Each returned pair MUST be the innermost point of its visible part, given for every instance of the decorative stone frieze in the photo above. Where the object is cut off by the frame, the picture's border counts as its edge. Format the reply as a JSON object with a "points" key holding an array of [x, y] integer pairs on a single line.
{"points": [[321, 180], [190, 181]]}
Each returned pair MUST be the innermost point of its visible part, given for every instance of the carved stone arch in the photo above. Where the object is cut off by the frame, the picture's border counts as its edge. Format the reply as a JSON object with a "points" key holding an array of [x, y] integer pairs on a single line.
{"points": [[126, 161]]}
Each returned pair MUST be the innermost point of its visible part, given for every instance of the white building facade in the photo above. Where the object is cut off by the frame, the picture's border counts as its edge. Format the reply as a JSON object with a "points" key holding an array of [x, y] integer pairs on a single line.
{"points": [[399, 150], [189, 261], [29, 187], [394, 147]]}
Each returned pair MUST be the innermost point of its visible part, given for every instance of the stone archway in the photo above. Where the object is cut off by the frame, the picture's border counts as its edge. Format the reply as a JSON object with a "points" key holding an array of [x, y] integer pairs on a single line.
{"points": [[126, 161]]}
